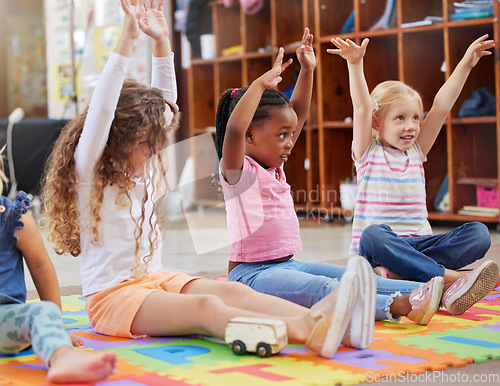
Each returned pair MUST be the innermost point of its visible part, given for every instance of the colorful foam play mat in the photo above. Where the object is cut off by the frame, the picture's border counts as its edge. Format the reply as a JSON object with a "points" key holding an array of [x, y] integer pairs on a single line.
{"points": [[397, 348]]}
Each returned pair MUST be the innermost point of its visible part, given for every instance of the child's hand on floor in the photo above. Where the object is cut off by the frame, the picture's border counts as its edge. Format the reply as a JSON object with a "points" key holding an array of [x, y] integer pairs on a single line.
{"points": [[77, 342]]}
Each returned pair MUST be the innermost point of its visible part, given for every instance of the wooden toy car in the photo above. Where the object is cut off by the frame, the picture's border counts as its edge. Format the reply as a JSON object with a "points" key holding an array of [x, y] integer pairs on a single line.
{"points": [[265, 337]]}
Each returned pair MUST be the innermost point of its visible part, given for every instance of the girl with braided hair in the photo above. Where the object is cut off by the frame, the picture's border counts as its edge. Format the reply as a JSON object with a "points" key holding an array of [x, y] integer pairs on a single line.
{"points": [[256, 129]]}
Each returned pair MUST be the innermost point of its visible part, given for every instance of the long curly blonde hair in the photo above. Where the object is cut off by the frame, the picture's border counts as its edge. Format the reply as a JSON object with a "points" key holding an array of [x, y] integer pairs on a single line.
{"points": [[139, 112]]}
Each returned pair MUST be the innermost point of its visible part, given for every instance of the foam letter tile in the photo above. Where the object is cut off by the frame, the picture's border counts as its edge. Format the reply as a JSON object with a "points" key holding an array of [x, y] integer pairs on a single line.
{"points": [[23, 373], [162, 358], [149, 379], [253, 370], [397, 348], [73, 303], [478, 343]]}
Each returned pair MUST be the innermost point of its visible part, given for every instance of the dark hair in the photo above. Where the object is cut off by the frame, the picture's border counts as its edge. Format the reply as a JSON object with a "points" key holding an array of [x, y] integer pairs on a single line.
{"points": [[228, 101]]}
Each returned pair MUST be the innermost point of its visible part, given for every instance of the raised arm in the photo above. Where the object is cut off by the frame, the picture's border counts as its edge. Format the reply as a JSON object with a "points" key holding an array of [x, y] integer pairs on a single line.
{"points": [[301, 96], [105, 96], [449, 92], [233, 150], [152, 22], [360, 95], [130, 29]]}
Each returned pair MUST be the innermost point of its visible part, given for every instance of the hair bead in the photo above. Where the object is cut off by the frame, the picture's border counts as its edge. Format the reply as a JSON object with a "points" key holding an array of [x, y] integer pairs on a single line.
{"points": [[233, 93]]}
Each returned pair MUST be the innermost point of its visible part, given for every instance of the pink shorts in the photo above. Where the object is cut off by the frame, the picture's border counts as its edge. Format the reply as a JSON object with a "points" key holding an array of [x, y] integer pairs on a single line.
{"points": [[112, 310]]}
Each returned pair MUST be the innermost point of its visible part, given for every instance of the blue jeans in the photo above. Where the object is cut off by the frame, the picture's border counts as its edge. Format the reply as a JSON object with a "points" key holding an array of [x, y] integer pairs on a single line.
{"points": [[306, 283], [422, 258]]}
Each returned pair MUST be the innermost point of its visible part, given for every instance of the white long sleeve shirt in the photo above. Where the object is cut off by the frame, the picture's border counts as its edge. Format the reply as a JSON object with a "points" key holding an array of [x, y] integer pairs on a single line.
{"points": [[111, 260]]}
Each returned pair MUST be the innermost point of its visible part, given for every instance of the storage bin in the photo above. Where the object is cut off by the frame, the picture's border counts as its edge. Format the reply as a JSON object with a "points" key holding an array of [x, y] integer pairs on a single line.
{"points": [[487, 196]]}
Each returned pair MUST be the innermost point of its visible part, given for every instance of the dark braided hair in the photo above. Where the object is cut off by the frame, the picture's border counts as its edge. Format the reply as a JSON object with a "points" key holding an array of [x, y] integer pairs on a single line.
{"points": [[228, 101]]}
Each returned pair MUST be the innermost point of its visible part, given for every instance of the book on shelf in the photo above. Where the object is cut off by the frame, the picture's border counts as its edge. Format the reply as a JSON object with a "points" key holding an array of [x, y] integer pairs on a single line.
{"points": [[428, 20], [384, 21], [478, 181], [349, 24], [470, 15], [473, 4], [472, 9], [474, 210]]}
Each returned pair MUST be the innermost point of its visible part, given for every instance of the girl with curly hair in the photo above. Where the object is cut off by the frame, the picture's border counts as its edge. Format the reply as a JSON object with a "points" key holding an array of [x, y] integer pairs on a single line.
{"points": [[101, 204]]}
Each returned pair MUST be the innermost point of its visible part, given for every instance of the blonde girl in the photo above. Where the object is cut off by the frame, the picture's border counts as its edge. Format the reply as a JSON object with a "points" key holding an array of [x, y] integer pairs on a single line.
{"points": [[390, 226]]}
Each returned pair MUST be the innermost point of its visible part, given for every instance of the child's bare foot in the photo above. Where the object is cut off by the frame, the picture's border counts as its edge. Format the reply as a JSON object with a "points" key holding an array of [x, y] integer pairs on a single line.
{"points": [[69, 365]]}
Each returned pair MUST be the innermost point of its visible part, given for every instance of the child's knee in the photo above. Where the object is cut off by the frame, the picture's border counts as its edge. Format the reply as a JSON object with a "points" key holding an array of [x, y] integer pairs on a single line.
{"points": [[235, 287], [480, 234], [48, 308], [44, 312], [207, 304], [373, 232]]}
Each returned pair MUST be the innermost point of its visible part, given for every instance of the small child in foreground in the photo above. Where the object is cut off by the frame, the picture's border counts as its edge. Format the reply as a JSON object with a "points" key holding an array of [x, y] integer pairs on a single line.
{"points": [[38, 324]]}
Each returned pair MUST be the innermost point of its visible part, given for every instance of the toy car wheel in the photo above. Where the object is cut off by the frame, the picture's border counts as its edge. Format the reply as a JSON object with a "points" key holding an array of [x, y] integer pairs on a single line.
{"points": [[264, 350], [239, 347]]}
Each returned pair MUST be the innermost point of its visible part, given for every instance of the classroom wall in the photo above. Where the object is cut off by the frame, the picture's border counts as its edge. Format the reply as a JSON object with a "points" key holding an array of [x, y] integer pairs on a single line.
{"points": [[22, 63]]}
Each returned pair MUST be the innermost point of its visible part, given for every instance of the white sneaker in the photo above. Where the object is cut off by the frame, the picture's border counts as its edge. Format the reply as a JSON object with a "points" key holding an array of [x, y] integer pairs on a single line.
{"points": [[334, 312], [359, 333]]}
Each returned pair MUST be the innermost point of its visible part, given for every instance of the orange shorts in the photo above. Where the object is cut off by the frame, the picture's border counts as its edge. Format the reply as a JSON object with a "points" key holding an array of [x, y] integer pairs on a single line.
{"points": [[112, 310]]}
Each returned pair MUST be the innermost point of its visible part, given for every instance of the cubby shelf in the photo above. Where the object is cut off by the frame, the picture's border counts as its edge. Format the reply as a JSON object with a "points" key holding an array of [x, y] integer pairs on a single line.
{"points": [[424, 57]]}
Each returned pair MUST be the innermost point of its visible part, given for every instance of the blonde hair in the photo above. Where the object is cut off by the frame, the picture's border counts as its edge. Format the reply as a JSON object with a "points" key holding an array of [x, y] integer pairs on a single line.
{"points": [[140, 111], [392, 92], [3, 177]]}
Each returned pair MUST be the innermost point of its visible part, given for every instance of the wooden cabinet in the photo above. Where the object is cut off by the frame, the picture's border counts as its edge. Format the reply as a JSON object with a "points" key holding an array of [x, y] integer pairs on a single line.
{"points": [[467, 149]]}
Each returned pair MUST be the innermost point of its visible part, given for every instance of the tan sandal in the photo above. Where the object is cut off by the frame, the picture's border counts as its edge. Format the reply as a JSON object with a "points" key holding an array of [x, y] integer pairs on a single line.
{"points": [[333, 312]]}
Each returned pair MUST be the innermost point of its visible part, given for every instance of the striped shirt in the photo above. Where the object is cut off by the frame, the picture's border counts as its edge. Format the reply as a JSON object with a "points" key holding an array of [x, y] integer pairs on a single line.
{"points": [[391, 191]]}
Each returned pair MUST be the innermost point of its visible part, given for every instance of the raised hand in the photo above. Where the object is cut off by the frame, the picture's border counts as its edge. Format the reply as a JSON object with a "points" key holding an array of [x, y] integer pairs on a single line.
{"points": [[271, 78], [130, 24], [152, 20], [477, 50], [305, 51], [348, 50]]}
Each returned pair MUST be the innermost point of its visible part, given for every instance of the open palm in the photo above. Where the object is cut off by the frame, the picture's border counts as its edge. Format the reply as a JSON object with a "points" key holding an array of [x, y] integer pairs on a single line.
{"points": [[152, 20]]}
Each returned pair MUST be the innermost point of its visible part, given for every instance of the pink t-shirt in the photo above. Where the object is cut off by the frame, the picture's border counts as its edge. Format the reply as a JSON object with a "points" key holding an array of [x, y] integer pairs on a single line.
{"points": [[261, 218]]}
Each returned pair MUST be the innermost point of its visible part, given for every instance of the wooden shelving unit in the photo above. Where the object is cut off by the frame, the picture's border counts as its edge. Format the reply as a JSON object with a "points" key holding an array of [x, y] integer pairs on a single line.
{"points": [[465, 148]]}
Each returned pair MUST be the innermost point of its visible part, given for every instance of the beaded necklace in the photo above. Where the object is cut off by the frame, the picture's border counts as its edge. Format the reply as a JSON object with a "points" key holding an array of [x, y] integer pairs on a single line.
{"points": [[277, 174]]}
